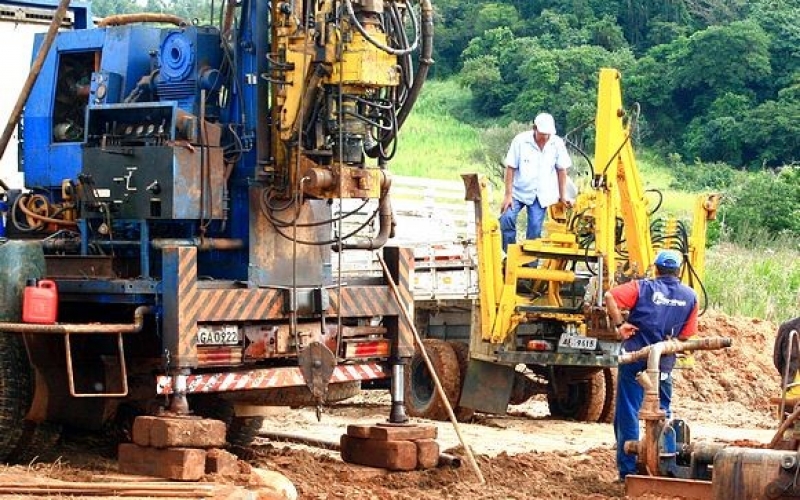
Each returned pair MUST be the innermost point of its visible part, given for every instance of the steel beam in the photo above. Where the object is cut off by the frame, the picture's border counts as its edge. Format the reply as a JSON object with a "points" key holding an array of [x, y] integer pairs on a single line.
{"points": [[686, 489]]}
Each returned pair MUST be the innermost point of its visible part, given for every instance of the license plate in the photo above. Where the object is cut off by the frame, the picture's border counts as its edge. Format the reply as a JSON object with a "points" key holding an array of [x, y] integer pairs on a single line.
{"points": [[577, 342], [218, 335]]}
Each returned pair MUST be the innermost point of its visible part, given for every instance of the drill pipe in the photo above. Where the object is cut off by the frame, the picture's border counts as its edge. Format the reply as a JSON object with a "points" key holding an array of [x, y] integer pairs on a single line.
{"points": [[673, 346], [651, 412]]}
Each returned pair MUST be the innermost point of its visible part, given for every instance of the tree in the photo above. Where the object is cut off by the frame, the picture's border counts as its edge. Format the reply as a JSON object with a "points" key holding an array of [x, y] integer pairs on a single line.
{"points": [[744, 48], [104, 8], [718, 134], [781, 20], [770, 134]]}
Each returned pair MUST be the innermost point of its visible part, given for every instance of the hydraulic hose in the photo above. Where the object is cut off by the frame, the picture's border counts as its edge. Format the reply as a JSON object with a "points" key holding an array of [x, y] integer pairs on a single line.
{"points": [[143, 17], [425, 62]]}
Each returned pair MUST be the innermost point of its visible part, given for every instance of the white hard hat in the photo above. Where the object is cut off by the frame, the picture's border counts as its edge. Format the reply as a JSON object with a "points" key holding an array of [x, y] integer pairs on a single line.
{"points": [[545, 123]]}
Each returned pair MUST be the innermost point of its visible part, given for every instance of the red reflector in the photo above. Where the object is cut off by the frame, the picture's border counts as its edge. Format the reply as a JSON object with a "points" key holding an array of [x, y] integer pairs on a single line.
{"points": [[371, 349], [539, 345]]}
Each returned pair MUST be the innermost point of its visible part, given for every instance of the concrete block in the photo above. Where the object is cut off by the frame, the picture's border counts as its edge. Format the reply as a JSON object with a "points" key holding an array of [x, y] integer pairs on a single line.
{"points": [[181, 464], [177, 432], [221, 462], [392, 455], [427, 453]]}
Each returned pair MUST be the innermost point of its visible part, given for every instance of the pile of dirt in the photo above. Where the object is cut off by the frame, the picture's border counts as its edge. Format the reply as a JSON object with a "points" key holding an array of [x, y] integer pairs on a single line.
{"points": [[589, 476], [743, 373]]}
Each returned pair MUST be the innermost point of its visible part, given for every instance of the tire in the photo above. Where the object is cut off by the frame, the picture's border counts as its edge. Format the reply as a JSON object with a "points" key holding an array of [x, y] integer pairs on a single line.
{"points": [[241, 431], [610, 404], [36, 442], [462, 413], [421, 398], [583, 400], [16, 394]]}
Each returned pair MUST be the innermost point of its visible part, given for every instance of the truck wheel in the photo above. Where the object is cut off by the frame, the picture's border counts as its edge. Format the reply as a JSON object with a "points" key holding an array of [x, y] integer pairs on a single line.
{"points": [[241, 431], [610, 404], [462, 413], [16, 393], [421, 397], [583, 400]]}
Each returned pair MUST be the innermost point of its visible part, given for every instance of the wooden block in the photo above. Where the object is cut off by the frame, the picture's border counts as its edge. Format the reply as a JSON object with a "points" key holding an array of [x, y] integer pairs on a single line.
{"points": [[181, 464], [221, 462], [394, 432], [141, 430], [359, 430], [177, 432], [427, 453], [392, 455]]}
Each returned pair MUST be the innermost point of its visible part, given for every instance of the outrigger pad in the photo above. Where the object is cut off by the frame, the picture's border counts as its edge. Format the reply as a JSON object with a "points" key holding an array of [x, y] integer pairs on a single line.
{"points": [[487, 387]]}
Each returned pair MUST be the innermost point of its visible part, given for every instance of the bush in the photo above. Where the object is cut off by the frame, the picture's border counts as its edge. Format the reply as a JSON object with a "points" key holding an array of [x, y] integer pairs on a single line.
{"points": [[701, 176], [765, 206]]}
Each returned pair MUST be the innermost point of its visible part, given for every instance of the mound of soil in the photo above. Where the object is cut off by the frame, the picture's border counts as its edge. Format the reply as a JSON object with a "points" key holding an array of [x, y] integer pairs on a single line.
{"points": [[743, 373]]}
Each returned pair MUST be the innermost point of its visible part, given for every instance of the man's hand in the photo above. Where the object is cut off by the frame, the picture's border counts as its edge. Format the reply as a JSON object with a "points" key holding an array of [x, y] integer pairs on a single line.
{"points": [[626, 330], [565, 202], [506, 203]]}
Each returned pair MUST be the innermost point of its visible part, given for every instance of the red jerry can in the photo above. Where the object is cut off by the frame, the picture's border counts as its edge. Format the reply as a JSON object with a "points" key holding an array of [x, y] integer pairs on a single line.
{"points": [[40, 302]]}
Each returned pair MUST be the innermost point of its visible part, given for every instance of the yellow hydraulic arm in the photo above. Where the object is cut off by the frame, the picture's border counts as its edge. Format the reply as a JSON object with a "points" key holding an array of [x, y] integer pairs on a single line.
{"points": [[618, 178]]}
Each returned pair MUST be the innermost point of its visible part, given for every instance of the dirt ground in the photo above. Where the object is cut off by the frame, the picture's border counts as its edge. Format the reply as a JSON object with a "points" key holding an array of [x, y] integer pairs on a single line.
{"points": [[522, 455]]}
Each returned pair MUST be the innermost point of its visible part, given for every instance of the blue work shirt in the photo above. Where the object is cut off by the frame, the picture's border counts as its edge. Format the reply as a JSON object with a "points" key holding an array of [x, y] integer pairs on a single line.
{"points": [[661, 309]]}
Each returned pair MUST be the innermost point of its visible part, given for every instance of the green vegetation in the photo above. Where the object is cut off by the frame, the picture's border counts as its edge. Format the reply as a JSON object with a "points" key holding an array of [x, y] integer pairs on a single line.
{"points": [[717, 81], [432, 142], [759, 282]]}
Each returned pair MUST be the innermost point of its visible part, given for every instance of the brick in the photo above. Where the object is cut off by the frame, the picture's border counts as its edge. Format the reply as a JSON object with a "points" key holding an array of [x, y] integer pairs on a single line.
{"points": [[427, 453], [182, 464], [221, 462], [392, 455], [177, 432], [393, 432]]}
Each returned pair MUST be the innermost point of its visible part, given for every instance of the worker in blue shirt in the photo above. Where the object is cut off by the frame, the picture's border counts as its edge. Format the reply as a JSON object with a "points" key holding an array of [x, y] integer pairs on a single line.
{"points": [[659, 309]]}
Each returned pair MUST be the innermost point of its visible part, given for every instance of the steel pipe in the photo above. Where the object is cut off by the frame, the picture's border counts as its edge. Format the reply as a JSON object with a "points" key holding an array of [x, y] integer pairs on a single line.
{"points": [[202, 244]]}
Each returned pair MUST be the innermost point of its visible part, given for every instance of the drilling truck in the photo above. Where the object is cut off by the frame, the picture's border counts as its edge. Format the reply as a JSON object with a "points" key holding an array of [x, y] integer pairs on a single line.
{"points": [[172, 248]]}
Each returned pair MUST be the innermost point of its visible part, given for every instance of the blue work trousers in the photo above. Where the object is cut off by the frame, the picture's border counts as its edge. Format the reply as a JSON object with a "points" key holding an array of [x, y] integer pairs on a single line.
{"points": [[630, 396], [508, 221]]}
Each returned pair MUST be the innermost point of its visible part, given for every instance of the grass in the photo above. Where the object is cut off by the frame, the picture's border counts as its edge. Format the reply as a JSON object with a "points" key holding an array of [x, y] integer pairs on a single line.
{"points": [[433, 143], [754, 282]]}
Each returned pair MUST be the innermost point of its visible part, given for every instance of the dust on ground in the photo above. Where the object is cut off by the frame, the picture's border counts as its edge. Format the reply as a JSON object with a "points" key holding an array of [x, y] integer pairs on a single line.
{"points": [[522, 455]]}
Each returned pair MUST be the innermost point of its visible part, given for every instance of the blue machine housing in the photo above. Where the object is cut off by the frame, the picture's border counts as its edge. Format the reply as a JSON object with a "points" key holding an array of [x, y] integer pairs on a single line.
{"points": [[189, 62], [56, 110]]}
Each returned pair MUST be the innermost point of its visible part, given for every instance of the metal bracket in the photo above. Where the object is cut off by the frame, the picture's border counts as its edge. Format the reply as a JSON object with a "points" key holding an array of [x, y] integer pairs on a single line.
{"points": [[316, 364]]}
